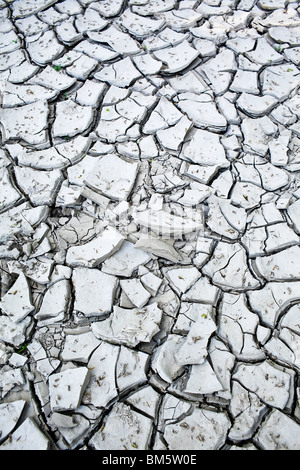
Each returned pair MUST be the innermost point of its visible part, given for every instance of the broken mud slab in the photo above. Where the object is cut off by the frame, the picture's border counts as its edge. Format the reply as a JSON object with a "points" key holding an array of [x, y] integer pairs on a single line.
{"points": [[149, 225]]}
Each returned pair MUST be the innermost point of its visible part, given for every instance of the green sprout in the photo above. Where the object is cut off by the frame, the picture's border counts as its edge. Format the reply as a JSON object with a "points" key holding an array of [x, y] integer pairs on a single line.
{"points": [[22, 349]]}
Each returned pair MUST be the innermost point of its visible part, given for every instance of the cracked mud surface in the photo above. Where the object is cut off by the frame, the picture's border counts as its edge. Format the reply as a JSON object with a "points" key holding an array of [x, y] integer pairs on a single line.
{"points": [[149, 224]]}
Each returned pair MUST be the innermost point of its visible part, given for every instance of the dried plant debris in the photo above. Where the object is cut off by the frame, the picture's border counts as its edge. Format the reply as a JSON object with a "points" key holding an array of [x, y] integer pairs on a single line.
{"points": [[149, 225]]}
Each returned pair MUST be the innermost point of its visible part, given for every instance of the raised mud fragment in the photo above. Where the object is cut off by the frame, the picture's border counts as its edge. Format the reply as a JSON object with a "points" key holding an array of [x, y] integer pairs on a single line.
{"points": [[209, 431], [129, 326], [124, 429], [149, 226], [28, 123]]}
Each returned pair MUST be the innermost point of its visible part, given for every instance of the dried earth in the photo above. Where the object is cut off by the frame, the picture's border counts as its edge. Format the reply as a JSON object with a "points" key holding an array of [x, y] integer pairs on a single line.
{"points": [[149, 224]]}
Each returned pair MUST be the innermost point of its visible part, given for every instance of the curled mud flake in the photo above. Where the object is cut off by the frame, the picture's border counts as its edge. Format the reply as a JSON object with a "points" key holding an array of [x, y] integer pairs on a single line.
{"points": [[149, 225]]}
